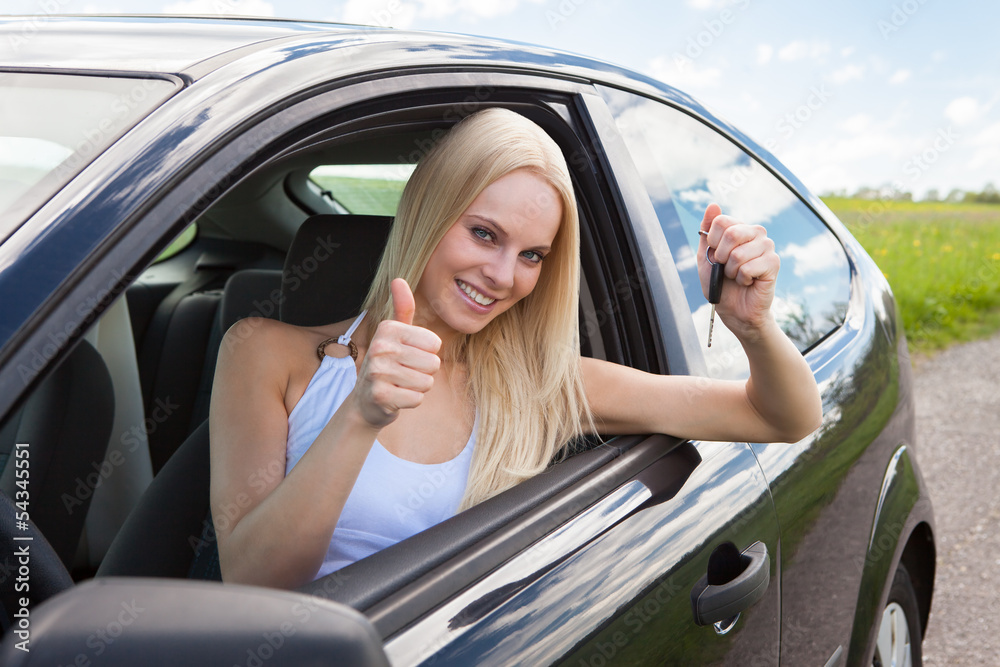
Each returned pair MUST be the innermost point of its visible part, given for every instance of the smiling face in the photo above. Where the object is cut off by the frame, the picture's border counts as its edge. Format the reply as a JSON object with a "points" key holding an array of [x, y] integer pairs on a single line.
{"points": [[491, 257]]}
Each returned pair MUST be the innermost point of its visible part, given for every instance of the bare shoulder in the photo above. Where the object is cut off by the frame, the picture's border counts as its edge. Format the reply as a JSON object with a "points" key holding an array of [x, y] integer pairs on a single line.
{"points": [[280, 341], [276, 354]]}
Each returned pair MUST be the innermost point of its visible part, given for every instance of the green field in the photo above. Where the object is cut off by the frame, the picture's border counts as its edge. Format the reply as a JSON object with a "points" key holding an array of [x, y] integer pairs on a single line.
{"points": [[942, 261], [368, 196]]}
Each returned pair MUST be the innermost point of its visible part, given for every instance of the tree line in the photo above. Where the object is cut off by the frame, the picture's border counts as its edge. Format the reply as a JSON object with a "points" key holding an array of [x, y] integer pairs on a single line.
{"points": [[988, 195]]}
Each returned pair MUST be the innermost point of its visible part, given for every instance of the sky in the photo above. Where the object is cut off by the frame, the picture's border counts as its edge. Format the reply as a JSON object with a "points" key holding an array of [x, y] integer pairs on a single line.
{"points": [[858, 93]]}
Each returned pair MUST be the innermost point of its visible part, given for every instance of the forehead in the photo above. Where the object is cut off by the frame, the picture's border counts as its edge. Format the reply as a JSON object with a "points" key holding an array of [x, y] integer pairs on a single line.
{"points": [[522, 200]]}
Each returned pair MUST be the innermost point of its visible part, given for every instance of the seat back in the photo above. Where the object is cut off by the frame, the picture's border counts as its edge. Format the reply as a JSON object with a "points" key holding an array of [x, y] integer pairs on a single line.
{"points": [[161, 535], [67, 424]]}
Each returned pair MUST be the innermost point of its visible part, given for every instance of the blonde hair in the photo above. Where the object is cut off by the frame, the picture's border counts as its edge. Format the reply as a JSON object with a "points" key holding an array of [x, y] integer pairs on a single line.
{"points": [[523, 367]]}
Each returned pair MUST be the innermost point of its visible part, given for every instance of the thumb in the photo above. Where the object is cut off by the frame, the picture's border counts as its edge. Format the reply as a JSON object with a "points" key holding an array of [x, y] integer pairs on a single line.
{"points": [[402, 301], [711, 213]]}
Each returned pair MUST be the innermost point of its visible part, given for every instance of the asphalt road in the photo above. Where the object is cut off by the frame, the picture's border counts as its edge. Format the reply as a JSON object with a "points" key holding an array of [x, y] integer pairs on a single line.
{"points": [[958, 441]]}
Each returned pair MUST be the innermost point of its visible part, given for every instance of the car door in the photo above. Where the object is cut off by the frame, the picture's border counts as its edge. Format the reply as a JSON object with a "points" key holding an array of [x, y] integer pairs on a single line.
{"points": [[825, 487]]}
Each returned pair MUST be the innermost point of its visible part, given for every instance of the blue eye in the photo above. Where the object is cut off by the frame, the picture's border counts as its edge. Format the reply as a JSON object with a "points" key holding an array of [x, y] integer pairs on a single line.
{"points": [[484, 234], [532, 256]]}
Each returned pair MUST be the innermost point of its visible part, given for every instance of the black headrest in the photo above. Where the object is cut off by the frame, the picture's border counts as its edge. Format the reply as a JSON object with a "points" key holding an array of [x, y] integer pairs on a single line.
{"points": [[330, 267], [250, 292]]}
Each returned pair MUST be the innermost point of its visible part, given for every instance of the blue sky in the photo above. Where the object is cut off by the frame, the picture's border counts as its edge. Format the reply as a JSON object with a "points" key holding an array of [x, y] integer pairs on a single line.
{"points": [[849, 94]]}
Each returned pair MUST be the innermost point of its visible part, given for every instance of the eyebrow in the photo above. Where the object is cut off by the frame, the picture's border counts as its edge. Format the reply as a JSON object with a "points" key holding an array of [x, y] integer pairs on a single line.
{"points": [[503, 232]]}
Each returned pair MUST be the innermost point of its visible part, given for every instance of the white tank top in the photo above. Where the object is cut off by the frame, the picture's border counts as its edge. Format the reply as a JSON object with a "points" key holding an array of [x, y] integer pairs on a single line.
{"points": [[392, 498]]}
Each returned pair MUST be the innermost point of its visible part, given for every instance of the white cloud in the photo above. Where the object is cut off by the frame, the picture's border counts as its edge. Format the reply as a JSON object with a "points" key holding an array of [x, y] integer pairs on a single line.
{"points": [[384, 13], [707, 4], [939, 56], [683, 72], [799, 50], [987, 154], [848, 73], [221, 7], [847, 51], [963, 110], [764, 53], [750, 103], [403, 13], [900, 76], [813, 257], [857, 123]]}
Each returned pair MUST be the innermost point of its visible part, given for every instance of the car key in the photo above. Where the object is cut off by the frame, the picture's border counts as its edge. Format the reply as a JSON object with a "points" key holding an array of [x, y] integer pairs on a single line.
{"points": [[714, 288]]}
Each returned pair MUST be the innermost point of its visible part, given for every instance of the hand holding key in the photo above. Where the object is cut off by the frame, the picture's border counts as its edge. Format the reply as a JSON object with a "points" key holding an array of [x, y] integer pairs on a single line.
{"points": [[743, 254]]}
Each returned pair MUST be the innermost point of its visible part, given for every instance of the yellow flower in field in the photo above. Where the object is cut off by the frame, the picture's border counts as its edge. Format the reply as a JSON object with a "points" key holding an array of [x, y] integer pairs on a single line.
{"points": [[916, 243], [947, 248], [995, 257]]}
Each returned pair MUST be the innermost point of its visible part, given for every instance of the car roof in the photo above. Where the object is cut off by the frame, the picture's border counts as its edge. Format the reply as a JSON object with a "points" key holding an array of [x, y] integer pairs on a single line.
{"points": [[143, 43]]}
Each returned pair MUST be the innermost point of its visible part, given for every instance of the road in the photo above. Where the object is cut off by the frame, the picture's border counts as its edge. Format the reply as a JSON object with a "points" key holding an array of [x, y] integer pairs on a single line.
{"points": [[958, 439]]}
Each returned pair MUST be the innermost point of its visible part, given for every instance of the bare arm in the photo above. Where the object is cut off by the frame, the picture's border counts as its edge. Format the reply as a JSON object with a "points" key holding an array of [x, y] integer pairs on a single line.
{"points": [[780, 402], [274, 530]]}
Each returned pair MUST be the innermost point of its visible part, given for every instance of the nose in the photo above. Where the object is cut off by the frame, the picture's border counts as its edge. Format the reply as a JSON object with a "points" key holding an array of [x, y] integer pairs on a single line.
{"points": [[499, 272]]}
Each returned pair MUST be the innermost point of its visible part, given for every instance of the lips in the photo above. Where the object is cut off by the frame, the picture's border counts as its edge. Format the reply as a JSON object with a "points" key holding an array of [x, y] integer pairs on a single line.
{"points": [[481, 299]]}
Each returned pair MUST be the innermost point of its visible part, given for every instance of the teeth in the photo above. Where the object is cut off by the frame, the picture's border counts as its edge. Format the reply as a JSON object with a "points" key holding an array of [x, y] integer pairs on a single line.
{"points": [[474, 295]]}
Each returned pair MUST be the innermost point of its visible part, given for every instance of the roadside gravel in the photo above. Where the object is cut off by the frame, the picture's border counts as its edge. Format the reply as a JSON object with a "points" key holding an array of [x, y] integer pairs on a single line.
{"points": [[958, 438]]}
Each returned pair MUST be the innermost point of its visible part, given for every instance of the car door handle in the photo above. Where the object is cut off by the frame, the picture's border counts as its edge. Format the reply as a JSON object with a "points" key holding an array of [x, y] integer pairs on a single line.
{"points": [[712, 603]]}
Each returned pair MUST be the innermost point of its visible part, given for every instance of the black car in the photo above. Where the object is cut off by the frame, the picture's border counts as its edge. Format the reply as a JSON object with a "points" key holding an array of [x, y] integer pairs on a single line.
{"points": [[162, 179]]}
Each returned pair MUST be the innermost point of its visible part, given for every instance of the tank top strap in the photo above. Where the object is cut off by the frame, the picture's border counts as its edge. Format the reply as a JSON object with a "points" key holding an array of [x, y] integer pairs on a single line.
{"points": [[346, 338], [343, 340]]}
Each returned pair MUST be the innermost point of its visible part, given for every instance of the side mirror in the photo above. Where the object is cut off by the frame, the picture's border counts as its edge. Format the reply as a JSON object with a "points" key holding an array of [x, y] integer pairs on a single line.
{"points": [[135, 621]]}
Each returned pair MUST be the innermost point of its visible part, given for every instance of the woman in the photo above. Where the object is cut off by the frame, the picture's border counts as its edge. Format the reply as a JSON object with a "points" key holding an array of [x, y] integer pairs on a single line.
{"points": [[469, 382]]}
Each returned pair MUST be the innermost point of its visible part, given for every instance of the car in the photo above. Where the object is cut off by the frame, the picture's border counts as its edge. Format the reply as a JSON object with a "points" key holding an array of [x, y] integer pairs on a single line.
{"points": [[166, 178]]}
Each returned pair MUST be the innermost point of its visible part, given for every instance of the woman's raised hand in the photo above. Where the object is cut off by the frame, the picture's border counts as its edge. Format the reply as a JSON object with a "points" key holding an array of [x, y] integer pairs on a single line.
{"points": [[751, 267], [400, 364]]}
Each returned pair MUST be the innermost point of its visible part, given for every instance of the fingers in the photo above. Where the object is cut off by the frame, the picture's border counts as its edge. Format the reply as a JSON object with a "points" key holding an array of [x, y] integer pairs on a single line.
{"points": [[762, 268], [736, 243], [403, 305], [408, 346]]}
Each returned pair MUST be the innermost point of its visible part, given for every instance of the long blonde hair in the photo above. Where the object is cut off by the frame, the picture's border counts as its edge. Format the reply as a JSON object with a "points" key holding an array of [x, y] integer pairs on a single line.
{"points": [[523, 367]]}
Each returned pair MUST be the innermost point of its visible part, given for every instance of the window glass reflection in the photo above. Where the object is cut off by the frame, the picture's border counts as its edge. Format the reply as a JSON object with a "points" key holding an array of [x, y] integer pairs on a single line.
{"points": [[686, 165]]}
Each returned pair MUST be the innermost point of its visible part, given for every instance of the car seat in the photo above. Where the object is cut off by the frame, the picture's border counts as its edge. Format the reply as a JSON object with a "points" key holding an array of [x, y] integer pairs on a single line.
{"points": [[67, 422]]}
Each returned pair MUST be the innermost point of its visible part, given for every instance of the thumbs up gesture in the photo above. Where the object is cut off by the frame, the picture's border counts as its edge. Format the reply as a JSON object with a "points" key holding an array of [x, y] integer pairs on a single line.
{"points": [[400, 364]]}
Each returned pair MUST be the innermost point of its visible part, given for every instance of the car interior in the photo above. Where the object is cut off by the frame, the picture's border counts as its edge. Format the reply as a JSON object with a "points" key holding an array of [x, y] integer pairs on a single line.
{"points": [[119, 432]]}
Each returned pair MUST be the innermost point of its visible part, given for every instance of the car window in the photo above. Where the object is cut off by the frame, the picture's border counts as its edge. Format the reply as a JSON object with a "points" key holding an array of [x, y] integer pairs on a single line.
{"points": [[368, 189], [53, 125], [686, 165]]}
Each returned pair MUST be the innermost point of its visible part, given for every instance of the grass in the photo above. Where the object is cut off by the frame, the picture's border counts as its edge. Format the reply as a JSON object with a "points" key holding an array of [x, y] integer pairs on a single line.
{"points": [[369, 196], [942, 261]]}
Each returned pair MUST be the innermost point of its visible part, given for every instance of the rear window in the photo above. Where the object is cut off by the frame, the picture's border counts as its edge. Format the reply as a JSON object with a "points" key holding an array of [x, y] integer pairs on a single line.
{"points": [[53, 125], [367, 189]]}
